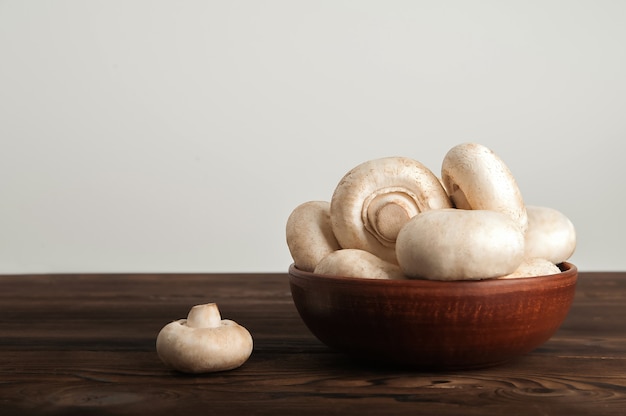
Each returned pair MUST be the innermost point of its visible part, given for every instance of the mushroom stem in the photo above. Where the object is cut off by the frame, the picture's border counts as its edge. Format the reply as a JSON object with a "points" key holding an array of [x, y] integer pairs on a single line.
{"points": [[204, 316], [385, 214]]}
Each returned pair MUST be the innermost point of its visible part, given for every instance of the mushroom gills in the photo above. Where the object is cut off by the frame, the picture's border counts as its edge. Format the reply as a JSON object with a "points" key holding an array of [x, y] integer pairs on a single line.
{"points": [[375, 199]]}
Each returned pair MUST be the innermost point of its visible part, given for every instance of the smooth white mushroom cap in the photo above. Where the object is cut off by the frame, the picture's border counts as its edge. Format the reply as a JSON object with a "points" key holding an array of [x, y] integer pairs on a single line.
{"points": [[358, 263], [458, 244], [309, 234], [375, 199], [476, 178], [204, 342], [532, 267], [550, 235]]}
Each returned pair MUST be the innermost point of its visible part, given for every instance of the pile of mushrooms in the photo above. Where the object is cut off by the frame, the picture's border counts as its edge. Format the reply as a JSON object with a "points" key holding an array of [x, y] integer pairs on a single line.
{"points": [[393, 218]]}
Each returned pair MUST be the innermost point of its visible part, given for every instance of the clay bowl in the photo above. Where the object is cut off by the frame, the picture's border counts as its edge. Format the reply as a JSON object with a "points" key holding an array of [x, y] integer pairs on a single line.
{"points": [[433, 324]]}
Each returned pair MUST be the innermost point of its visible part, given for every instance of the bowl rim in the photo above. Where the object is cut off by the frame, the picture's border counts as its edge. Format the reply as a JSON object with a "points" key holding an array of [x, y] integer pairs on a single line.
{"points": [[568, 271]]}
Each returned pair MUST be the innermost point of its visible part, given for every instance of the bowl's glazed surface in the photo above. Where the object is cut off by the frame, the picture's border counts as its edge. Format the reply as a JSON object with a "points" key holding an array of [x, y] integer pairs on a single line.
{"points": [[434, 324]]}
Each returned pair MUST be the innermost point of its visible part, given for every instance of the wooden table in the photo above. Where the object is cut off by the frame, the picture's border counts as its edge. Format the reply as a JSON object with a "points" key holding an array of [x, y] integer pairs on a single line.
{"points": [[85, 344]]}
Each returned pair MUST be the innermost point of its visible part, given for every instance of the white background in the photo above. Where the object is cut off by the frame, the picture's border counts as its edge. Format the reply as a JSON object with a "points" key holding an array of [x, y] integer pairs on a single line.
{"points": [[178, 136]]}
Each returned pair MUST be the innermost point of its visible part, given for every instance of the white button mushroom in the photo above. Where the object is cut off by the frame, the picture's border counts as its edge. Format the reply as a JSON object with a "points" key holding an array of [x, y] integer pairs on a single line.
{"points": [[204, 342], [375, 199], [309, 234], [458, 244], [358, 263], [476, 178], [532, 267], [550, 235]]}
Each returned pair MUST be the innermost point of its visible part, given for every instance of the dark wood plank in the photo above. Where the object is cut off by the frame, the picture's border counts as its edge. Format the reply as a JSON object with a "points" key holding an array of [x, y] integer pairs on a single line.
{"points": [[84, 344]]}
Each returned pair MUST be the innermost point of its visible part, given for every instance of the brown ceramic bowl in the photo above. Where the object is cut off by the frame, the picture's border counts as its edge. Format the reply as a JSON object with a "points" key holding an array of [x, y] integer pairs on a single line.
{"points": [[434, 324]]}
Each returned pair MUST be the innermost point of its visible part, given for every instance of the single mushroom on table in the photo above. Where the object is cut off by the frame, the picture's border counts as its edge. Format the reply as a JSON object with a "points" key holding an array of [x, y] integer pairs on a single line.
{"points": [[476, 178], [204, 342], [375, 199]]}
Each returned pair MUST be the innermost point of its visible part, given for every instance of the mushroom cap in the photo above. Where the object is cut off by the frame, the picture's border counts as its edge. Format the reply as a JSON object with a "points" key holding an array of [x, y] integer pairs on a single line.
{"points": [[476, 178], [532, 267], [309, 234], [352, 262], [220, 346], [458, 244], [375, 199], [550, 235]]}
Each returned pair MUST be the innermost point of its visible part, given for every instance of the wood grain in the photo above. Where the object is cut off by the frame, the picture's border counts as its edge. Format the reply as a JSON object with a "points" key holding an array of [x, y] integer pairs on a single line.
{"points": [[84, 344]]}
